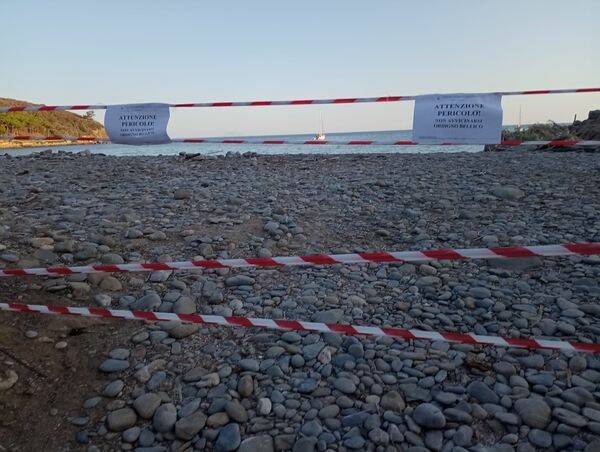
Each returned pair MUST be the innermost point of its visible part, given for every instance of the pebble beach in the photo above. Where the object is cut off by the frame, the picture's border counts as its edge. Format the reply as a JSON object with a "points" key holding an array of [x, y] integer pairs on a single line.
{"points": [[181, 387]]}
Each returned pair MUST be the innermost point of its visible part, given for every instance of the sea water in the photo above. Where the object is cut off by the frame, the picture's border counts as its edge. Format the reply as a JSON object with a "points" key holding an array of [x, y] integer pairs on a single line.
{"points": [[267, 149]]}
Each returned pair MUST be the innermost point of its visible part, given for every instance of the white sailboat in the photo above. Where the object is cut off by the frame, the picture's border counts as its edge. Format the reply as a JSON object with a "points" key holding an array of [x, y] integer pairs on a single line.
{"points": [[320, 136]]}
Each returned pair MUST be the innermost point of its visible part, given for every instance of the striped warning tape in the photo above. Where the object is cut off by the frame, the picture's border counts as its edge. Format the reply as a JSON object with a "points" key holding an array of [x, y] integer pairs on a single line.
{"points": [[299, 325], [567, 249], [551, 143], [266, 103]]}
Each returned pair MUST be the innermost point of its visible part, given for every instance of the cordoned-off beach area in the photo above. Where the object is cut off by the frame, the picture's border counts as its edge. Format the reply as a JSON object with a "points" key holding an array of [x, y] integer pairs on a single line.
{"points": [[300, 226], [122, 385]]}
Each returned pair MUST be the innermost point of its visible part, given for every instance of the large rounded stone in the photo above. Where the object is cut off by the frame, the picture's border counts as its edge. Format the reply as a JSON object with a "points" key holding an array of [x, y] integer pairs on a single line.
{"points": [[182, 193], [146, 404], [507, 192], [194, 374], [245, 386], [120, 420], [344, 385], [110, 283], [540, 438], [534, 412], [239, 280], [111, 259], [236, 411], [229, 438], [262, 443], [148, 302], [480, 391], [185, 305], [429, 416], [113, 365], [164, 418], [180, 330], [113, 388], [188, 427], [392, 400]]}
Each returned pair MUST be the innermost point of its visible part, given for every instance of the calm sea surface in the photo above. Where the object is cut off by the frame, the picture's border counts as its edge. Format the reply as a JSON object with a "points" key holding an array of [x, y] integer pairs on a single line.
{"points": [[219, 149]]}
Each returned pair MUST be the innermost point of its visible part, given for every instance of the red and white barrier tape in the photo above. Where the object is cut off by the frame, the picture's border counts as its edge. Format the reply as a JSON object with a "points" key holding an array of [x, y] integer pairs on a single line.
{"points": [[567, 249], [552, 143], [261, 141], [265, 103], [298, 325]]}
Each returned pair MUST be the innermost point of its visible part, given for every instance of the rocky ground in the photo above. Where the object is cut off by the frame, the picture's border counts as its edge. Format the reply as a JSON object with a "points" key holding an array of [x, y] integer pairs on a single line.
{"points": [[84, 384]]}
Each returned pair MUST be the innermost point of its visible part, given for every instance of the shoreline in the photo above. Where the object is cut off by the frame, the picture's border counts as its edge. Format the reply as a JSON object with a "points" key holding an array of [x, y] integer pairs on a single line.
{"points": [[25, 144]]}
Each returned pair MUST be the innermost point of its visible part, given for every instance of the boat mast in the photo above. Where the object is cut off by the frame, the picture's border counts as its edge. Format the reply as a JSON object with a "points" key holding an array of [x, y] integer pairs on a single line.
{"points": [[322, 128]]}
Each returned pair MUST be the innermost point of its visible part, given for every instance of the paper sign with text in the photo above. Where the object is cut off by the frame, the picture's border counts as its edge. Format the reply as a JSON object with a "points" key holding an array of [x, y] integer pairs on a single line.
{"points": [[137, 123], [458, 118]]}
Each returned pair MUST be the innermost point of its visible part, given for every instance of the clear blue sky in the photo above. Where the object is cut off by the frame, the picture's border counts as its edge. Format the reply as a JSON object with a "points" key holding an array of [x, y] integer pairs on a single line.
{"points": [[188, 50]]}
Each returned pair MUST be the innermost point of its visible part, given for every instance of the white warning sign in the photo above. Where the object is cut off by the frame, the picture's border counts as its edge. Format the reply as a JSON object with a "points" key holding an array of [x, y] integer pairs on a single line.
{"points": [[458, 118], [137, 123]]}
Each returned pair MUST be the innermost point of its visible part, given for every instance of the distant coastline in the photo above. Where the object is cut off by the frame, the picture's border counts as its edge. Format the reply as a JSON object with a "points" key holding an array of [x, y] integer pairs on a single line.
{"points": [[46, 123], [17, 144], [588, 129]]}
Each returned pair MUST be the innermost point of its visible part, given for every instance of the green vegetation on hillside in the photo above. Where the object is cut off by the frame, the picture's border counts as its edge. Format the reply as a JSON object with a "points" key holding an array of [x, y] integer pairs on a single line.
{"points": [[46, 122]]}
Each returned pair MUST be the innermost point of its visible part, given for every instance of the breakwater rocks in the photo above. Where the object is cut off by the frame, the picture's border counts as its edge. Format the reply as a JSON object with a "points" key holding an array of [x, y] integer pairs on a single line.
{"points": [[172, 387], [588, 129]]}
